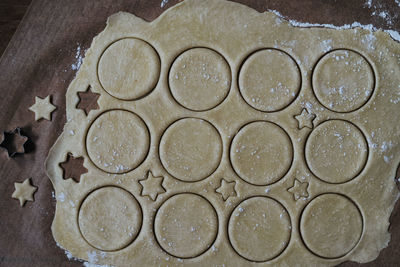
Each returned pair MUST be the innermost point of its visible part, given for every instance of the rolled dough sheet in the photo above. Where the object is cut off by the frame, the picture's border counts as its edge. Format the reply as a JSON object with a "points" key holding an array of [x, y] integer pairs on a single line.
{"points": [[225, 136]]}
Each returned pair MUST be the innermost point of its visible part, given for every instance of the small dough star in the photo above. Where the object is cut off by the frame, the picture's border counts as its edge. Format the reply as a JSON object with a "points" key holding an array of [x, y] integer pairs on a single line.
{"points": [[42, 108], [305, 119], [299, 189], [88, 100], [227, 189], [13, 142], [24, 191], [152, 186]]}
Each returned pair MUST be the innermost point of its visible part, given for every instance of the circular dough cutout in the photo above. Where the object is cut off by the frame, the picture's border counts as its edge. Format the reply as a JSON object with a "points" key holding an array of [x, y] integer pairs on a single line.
{"points": [[200, 79], [343, 80], [118, 141], [110, 218], [191, 149], [269, 80], [261, 153], [186, 225], [336, 151], [259, 229], [129, 69], [331, 225]]}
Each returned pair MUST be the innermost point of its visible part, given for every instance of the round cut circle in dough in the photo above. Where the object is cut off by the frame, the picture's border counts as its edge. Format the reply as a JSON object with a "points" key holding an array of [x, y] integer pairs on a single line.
{"points": [[118, 141], [343, 80], [110, 218], [191, 149], [331, 225], [129, 69], [259, 229], [200, 79], [269, 80], [186, 225], [336, 151], [261, 153]]}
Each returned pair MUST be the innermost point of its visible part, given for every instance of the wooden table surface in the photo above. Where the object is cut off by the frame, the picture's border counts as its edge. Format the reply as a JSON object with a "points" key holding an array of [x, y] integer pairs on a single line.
{"points": [[11, 13], [38, 62]]}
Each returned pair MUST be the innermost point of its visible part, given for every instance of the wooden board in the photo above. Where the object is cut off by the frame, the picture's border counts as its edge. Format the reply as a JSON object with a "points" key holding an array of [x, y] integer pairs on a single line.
{"points": [[38, 62], [11, 13]]}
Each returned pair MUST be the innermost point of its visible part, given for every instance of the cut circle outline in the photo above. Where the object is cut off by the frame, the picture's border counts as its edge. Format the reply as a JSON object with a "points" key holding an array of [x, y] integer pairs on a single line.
{"points": [[362, 225], [370, 65], [364, 165], [298, 71], [230, 76], [290, 232], [216, 232], [220, 155], [86, 137], [291, 145], [99, 188], [159, 69]]}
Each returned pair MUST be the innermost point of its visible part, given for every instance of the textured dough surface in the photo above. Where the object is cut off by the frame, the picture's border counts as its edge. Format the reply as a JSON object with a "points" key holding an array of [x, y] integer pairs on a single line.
{"points": [[233, 142], [202, 69], [129, 69], [109, 218]]}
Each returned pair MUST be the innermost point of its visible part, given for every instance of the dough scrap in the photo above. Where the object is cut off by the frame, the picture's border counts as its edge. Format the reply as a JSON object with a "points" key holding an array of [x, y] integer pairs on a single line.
{"points": [[304, 176], [42, 108], [24, 191]]}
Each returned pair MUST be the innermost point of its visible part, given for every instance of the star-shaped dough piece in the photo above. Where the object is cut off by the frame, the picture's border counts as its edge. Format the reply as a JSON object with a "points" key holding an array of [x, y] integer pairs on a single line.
{"points": [[227, 189], [42, 108], [305, 119], [13, 142], [299, 189], [152, 186], [24, 191], [88, 100]]}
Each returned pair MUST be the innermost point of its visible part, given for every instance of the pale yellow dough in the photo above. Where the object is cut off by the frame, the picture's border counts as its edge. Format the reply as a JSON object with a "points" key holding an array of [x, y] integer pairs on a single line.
{"points": [[225, 136]]}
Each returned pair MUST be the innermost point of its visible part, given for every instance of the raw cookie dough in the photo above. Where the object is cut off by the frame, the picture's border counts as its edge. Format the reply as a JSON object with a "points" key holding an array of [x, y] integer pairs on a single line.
{"points": [[42, 108], [24, 191], [224, 136]]}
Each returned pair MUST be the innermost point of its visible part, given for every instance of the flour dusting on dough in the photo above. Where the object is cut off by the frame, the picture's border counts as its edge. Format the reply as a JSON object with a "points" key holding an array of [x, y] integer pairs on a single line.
{"points": [[164, 3], [78, 57], [394, 34], [88, 264], [67, 253], [93, 258]]}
